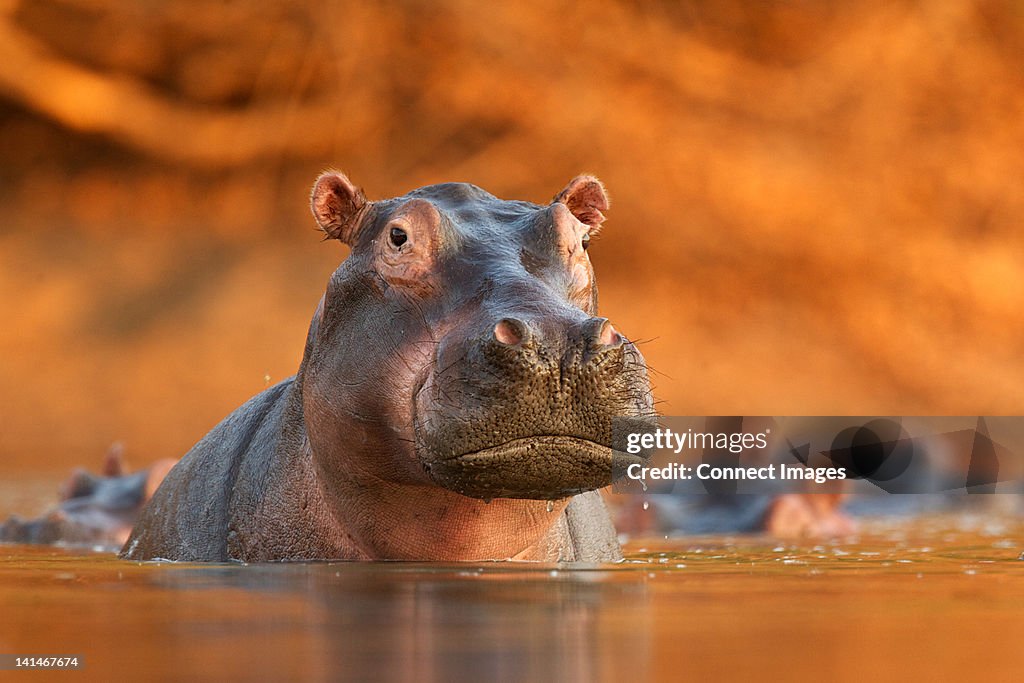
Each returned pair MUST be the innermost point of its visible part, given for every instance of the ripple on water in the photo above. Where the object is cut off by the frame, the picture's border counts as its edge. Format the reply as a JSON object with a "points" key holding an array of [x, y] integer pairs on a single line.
{"points": [[704, 595], [952, 546]]}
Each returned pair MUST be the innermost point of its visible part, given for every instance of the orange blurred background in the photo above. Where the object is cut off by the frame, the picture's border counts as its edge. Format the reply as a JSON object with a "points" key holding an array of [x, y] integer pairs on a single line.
{"points": [[816, 206]]}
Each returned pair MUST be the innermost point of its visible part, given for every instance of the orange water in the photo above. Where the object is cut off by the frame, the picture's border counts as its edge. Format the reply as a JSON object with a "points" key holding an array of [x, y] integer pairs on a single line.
{"points": [[940, 599]]}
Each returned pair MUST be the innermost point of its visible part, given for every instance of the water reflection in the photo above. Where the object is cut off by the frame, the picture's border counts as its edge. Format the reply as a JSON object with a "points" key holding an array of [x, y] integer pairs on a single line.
{"points": [[943, 597], [421, 622]]}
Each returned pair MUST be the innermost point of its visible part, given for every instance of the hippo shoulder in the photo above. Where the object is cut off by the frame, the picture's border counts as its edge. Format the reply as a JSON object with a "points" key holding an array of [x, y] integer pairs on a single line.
{"points": [[189, 516]]}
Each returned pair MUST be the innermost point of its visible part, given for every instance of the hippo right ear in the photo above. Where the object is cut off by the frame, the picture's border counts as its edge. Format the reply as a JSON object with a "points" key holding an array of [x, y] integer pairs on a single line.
{"points": [[587, 200], [336, 204]]}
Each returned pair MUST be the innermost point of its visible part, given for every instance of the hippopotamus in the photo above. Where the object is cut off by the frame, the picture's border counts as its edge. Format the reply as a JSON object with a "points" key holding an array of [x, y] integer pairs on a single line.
{"points": [[454, 401], [95, 510]]}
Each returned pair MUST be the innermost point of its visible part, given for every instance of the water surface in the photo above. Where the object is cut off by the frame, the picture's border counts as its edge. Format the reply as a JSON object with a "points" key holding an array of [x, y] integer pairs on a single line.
{"points": [[942, 598]]}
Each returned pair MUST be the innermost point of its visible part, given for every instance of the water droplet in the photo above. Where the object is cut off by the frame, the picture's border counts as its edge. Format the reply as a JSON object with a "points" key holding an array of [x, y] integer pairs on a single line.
{"points": [[643, 485], [551, 505], [646, 505]]}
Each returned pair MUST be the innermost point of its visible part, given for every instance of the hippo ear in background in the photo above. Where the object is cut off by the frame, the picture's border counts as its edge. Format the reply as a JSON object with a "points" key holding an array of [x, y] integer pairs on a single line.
{"points": [[586, 199], [336, 203]]}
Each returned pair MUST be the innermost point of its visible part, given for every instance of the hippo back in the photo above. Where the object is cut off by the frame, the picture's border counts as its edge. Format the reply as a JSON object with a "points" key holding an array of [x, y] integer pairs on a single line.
{"points": [[189, 515]]}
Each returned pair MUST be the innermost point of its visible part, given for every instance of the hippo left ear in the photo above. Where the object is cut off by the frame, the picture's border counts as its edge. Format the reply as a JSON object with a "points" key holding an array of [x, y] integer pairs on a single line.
{"points": [[336, 204], [586, 199]]}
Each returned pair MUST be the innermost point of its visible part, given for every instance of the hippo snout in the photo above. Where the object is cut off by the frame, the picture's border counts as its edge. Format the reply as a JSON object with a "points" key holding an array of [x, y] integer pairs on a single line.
{"points": [[597, 333], [525, 409]]}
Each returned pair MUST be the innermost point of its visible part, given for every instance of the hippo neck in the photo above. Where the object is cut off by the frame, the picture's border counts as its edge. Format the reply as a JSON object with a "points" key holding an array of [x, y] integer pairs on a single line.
{"points": [[308, 515]]}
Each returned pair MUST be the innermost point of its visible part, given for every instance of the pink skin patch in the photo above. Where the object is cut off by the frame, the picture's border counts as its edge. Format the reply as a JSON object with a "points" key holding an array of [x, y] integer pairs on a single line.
{"points": [[570, 233], [411, 263]]}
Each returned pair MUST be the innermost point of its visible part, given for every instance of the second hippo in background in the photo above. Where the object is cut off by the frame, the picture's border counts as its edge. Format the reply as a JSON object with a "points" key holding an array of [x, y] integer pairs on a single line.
{"points": [[93, 510]]}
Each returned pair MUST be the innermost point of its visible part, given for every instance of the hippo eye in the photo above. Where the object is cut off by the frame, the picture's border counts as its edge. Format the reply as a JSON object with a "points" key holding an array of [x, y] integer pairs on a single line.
{"points": [[398, 237], [586, 240]]}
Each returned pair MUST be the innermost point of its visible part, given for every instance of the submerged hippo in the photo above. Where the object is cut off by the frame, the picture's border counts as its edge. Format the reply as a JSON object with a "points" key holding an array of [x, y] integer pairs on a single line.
{"points": [[96, 510], [454, 400]]}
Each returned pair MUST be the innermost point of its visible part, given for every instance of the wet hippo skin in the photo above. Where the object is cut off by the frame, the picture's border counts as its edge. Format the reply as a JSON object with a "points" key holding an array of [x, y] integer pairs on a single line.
{"points": [[454, 400]]}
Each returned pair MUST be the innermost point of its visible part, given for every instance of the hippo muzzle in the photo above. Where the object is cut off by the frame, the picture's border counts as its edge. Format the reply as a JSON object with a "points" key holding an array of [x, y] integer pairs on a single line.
{"points": [[525, 408]]}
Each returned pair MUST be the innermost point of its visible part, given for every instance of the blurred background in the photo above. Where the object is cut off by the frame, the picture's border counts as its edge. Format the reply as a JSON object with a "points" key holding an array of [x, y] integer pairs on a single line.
{"points": [[816, 206]]}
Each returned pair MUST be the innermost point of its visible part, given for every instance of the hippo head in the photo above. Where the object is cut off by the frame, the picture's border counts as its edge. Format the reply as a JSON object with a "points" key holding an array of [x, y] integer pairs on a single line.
{"points": [[459, 345]]}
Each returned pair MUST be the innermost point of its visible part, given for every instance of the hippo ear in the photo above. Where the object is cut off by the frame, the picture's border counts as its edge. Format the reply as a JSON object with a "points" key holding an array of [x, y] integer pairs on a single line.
{"points": [[586, 199], [336, 203]]}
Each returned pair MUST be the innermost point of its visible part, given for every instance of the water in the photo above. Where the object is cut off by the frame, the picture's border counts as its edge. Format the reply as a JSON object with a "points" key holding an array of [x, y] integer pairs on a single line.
{"points": [[944, 596]]}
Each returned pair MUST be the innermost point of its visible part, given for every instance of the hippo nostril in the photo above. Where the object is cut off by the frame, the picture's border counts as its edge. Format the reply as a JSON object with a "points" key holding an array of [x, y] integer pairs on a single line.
{"points": [[602, 334], [510, 332], [608, 335]]}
